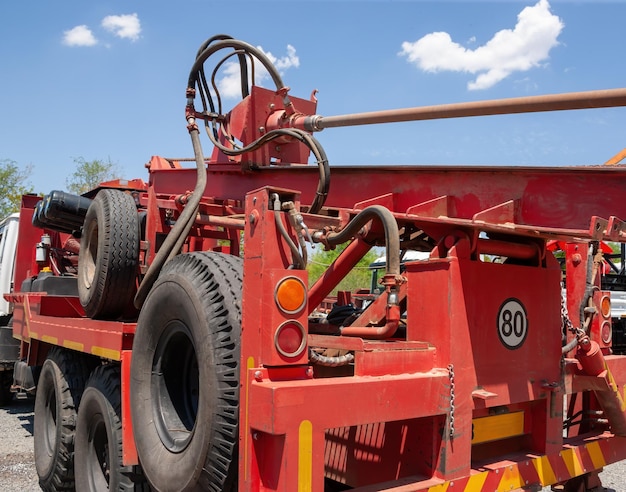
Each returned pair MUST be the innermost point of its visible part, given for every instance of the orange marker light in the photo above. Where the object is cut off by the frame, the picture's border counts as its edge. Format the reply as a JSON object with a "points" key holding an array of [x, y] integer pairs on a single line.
{"points": [[290, 295], [605, 306]]}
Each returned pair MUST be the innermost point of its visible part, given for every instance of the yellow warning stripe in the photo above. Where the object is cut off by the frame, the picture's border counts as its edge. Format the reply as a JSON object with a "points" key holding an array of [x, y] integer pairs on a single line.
{"points": [[74, 345], [106, 353], [496, 427], [544, 470], [572, 462], [305, 456], [511, 479], [439, 488], [49, 339], [595, 453], [512, 476]]}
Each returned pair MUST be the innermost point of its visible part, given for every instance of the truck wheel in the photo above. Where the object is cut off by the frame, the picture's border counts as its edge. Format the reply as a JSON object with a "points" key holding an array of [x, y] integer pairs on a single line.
{"points": [[108, 257], [59, 389], [98, 447], [185, 374], [6, 380]]}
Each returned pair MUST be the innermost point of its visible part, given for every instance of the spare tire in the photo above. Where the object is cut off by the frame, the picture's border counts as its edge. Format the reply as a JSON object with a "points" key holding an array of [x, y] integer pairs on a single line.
{"points": [[185, 375], [109, 255]]}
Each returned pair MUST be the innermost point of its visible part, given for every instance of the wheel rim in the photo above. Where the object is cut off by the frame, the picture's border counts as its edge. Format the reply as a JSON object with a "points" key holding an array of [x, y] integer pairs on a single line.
{"points": [[175, 382], [98, 459], [89, 261]]}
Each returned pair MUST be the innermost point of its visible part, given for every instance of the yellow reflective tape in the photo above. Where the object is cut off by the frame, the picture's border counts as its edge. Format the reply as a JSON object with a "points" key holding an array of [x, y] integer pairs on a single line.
{"points": [[439, 488], [595, 452], [476, 482], [511, 479], [249, 365], [106, 353], [74, 345], [305, 456], [49, 339], [615, 388], [496, 427], [544, 470], [570, 458]]}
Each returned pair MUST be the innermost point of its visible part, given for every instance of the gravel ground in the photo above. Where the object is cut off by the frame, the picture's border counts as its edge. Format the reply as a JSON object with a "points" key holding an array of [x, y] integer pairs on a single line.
{"points": [[17, 468]]}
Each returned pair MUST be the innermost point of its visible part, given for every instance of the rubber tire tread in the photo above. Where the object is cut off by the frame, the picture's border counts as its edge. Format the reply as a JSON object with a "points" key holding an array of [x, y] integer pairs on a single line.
{"points": [[102, 396], [113, 287], [214, 282], [67, 372], [6, 380]]}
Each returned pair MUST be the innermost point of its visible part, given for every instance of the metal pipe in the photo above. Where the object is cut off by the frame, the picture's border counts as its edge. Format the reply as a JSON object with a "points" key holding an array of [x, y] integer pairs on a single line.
{"points": [[220, 221], [510, 250], [335, 273], [377, 332], [531, 104]]}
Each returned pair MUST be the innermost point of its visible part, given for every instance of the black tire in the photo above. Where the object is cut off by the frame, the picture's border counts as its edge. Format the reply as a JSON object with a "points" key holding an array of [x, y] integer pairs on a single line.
{"points": [[109, 253], [98, 444], [185, 375], [59, 389], [6, 380]]}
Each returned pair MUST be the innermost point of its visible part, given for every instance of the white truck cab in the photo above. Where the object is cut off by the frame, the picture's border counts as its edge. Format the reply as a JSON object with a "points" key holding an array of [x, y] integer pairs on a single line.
{"points": [[9, 347], [8, 248]]}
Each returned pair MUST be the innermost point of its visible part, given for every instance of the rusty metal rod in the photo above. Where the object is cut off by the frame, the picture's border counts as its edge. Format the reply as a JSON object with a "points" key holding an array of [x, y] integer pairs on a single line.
{"points": [[532, 104]]}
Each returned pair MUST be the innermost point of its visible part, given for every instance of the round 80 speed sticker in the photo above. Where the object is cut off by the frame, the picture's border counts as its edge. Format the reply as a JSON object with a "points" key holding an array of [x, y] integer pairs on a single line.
{"points": [[512, 323]]}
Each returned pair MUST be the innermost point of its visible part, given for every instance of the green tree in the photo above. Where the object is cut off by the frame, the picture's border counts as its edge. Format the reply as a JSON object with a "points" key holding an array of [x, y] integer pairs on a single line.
{"points": [[89, 174], [358, 278], [13, 184]]}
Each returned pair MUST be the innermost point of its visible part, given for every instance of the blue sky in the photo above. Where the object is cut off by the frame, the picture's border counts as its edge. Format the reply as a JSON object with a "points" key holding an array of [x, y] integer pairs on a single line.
{"points": [[106, 79]]}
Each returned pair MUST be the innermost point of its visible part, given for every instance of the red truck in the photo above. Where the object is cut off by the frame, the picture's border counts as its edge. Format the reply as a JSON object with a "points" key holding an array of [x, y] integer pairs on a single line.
{"points": [[167, 324]]}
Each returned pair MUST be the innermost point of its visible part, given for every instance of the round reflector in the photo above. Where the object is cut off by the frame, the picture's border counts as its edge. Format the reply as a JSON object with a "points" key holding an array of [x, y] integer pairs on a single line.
{"points": [[289, 339], [606, 332], [290, 295]]}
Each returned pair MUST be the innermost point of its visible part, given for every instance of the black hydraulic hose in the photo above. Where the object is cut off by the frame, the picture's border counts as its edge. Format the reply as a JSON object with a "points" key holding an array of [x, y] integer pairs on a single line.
{"points": [[298, 260], [318, 151], [392, 235], [235, 44], [243, 66], [178, 235], [196, 77]]}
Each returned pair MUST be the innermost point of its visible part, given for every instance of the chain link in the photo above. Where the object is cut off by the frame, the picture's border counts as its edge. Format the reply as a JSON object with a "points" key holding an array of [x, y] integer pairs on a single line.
{"points": [[565, 319], [451, 375]]}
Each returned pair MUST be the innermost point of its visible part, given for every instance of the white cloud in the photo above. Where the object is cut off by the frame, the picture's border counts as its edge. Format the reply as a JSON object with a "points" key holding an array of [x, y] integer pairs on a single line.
{"points": [[123, 26], [229, 84], [79, 36], [525, 46]]}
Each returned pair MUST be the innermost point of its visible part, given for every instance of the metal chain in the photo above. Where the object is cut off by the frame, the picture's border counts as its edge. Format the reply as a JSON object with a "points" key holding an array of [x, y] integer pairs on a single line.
{"points": [[451, 373], [565, 319]]}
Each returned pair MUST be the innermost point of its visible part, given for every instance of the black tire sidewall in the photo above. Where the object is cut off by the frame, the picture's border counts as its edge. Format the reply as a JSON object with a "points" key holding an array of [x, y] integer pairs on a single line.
{"points": [[172, 294], [94, 403], [46, 463]]}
